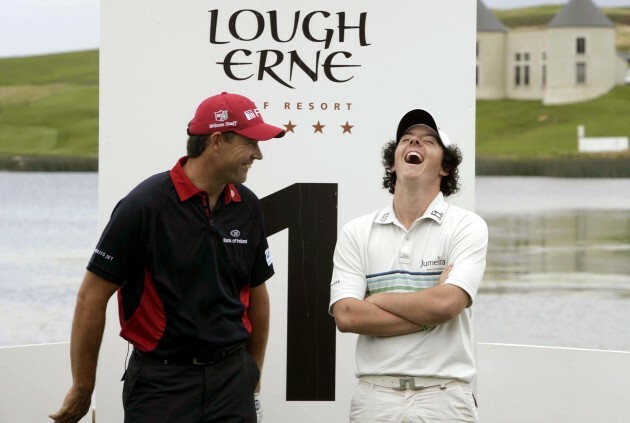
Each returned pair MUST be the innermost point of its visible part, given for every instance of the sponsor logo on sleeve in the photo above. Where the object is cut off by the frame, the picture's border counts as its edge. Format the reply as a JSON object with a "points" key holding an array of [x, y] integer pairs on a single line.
{"points": [[104, 254]]}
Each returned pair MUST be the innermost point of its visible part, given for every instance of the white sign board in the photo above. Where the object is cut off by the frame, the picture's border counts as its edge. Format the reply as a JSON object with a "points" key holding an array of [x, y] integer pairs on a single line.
{"points": [[338, 76]]}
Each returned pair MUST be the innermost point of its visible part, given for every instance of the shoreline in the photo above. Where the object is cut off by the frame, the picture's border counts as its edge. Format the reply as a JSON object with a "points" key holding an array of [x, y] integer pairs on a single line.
{"points": [[565, 167], [27, 163]]}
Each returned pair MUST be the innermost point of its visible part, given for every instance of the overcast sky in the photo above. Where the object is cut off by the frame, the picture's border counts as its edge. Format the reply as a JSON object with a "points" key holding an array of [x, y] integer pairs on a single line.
{"points": [[30, 27]]}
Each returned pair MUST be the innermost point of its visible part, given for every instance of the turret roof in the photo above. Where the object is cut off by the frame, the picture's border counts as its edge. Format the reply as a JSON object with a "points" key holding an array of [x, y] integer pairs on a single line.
{"points": [[580, 13], [486, 21]]}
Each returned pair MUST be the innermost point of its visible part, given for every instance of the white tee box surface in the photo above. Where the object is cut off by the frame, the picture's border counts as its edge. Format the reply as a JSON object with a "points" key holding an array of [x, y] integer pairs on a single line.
{"points": [[518, 383], [34, 380]]}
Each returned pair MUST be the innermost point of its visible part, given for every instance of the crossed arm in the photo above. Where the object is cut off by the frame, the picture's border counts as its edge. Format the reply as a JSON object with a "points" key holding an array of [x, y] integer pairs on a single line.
{"points": [[388, 314]]}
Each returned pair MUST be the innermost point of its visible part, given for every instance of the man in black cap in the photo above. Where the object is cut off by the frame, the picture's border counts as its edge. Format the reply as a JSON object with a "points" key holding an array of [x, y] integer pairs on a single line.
{"points": [[405, 278], [187, 253]]}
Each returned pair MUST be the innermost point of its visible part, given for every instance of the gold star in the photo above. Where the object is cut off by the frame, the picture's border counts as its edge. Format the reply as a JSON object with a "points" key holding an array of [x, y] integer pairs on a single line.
{"points": [[347, 128], [318, 128], [289, 127]]}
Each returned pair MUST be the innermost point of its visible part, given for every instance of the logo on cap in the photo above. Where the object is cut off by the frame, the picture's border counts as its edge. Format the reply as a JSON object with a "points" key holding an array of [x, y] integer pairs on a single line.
{"points": [[252, 114], [221, 115]]}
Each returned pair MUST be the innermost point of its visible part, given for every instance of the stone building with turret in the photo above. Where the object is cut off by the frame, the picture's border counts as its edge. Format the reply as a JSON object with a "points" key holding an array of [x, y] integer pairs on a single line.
{"points": [[572, 59]]}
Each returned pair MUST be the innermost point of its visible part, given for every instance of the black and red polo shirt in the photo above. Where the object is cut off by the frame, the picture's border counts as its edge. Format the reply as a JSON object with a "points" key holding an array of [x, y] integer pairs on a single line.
{"points": [[184, 271]]}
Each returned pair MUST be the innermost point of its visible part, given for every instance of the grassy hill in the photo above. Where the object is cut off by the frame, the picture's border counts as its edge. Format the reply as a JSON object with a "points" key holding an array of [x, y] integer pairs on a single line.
{"points": [[542, 15], [49, 105], [529, 129], [529, 138]]}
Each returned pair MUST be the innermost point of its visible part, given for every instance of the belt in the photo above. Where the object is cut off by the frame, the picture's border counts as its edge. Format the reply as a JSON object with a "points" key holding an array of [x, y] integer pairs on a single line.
{"points": [[402, 383], [198, 360]]}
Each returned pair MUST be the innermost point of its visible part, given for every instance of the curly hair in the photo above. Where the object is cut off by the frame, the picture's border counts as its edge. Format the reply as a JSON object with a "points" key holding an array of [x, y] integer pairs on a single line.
{"points": [[451, 160]]}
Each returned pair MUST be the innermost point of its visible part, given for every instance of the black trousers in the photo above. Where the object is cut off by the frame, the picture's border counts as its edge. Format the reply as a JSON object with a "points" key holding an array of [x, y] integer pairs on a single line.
{"points": [[155, 392]]}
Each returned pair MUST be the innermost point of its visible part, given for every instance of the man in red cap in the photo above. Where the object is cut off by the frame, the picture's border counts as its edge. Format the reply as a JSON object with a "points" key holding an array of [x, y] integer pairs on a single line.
{"points": [[405, 278], [187, 253]]}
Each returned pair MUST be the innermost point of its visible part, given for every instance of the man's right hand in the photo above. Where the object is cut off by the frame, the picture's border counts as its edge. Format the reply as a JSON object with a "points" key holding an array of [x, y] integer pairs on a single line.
{"points": [[74, 407]]}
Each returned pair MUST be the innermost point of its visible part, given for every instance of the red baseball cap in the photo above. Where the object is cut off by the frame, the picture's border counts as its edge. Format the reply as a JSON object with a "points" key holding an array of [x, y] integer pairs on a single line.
{"points": [[232, 112]]}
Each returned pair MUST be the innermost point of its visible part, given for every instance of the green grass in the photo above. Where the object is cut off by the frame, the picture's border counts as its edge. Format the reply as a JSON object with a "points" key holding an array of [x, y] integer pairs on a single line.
{"points": [[529, 129], [619, 15], [527, 16], [49, 108], [77, 68], [49, 105], [542, 15]]}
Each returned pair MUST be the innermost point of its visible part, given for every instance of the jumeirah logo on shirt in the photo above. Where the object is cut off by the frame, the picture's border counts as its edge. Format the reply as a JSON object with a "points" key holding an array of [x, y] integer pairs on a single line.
{"points": [[432, 263]]}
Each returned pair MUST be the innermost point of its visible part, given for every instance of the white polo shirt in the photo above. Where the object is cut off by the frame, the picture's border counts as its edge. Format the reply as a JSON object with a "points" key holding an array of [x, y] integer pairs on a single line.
{"points": [[375, 253]]}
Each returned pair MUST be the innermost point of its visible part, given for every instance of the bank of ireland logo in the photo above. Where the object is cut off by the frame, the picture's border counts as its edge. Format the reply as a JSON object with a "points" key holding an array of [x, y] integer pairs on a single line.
{"points": [[221, 115], [235, 233]]}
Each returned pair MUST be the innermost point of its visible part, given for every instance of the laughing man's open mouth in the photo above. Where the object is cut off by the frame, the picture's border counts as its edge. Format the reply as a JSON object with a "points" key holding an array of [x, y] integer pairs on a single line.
{"points": [[413, 157]]}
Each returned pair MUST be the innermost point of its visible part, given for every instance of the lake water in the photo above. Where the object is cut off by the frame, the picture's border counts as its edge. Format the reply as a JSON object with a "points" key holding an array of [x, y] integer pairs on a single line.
{"points": [[558, 269]]}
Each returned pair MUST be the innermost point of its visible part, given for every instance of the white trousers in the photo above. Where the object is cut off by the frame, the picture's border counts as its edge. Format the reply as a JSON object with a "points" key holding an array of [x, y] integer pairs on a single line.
{"points": [[377, 404]]}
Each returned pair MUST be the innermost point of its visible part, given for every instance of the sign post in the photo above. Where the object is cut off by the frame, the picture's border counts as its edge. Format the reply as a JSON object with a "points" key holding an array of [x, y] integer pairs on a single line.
{"points": [[338, 76]]}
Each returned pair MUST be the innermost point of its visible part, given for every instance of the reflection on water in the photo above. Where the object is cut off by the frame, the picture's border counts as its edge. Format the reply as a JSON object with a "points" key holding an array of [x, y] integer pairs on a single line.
{"points": [[576, 247], [48, 227], [558, 262]]}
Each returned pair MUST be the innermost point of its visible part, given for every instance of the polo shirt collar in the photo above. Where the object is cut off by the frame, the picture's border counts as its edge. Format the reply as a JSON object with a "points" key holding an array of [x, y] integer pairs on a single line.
{"points": [[186, 189], [436, 211]]}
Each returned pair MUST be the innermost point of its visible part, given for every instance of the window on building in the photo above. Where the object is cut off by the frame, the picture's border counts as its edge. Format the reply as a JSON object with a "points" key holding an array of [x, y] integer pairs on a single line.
{"points": [[477, 49], [580, 73], [526, 75], [544, 75], [477, 75], [521, 69], [580, 45]]}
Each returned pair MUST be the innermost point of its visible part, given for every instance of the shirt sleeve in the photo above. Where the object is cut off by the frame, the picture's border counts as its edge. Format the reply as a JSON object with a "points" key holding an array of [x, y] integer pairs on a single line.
{"points": [[262, 269], [468, 254], [121, 244], [348, 278]]}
